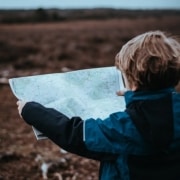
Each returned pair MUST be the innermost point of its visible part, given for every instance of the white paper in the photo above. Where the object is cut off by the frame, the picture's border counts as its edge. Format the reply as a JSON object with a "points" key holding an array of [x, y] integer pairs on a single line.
{"points": [[88, 93]]}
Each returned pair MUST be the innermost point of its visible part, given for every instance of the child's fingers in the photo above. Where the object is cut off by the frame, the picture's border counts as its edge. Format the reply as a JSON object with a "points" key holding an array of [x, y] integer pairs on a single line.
{"points": [[121, 92], [20, 105], [18, 102]]}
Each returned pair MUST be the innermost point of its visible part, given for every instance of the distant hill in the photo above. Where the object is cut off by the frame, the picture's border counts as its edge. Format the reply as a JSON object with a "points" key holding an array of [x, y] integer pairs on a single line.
{"points": [[52, 15]]}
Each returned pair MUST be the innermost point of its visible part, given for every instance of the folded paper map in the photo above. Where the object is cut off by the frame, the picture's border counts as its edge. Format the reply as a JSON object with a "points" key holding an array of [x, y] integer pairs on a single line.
{"points": [[88, 93]]}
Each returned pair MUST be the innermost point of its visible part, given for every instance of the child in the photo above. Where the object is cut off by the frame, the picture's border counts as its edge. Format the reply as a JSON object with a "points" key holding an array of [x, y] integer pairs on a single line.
{"points": [[141, 143]]}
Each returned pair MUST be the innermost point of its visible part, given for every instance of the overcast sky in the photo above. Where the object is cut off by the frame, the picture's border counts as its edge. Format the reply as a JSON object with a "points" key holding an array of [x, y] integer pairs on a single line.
{"points": [[127, 4]]}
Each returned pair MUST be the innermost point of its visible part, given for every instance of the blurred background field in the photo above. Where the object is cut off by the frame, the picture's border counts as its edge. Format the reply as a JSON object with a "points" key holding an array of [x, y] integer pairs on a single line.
{"points": [[82, 41], [49, 41]]}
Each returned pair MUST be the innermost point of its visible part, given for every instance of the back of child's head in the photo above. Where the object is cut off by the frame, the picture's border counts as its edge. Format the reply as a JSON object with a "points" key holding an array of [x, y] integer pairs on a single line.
{"points": [[150, 61]]}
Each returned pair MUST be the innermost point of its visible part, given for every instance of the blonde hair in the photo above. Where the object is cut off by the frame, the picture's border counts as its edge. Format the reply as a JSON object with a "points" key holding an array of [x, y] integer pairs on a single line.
{"points": [[150, 61]]}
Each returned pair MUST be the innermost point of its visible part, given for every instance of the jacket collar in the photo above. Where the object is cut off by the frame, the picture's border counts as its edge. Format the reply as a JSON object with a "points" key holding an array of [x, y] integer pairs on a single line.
{"points": [[131, 96]]}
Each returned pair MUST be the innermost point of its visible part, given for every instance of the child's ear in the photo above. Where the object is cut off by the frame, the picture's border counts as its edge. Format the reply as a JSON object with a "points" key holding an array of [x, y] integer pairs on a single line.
{"points": [[133, 88], [178, 87]]}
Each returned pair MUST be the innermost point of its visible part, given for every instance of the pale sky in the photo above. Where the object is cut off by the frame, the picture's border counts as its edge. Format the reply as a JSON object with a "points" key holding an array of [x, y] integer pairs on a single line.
{"points": [[63, 4]]}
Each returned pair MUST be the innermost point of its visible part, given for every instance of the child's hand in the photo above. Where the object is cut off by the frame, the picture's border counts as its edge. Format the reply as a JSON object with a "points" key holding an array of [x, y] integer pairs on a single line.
{"points": [[20, 105], [121, 92]]}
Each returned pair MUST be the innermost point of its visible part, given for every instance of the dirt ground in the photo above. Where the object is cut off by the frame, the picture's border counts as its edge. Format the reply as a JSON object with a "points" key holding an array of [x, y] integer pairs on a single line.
{"points": [[30, 49]]}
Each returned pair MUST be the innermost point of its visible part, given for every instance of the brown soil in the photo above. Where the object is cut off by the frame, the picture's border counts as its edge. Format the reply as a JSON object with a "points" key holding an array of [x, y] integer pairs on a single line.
{"points": [[48, 48]]}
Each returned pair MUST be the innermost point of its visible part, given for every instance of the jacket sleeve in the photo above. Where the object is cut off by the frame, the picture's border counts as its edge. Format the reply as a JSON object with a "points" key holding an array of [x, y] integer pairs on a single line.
{"points": [[63, 131]]}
